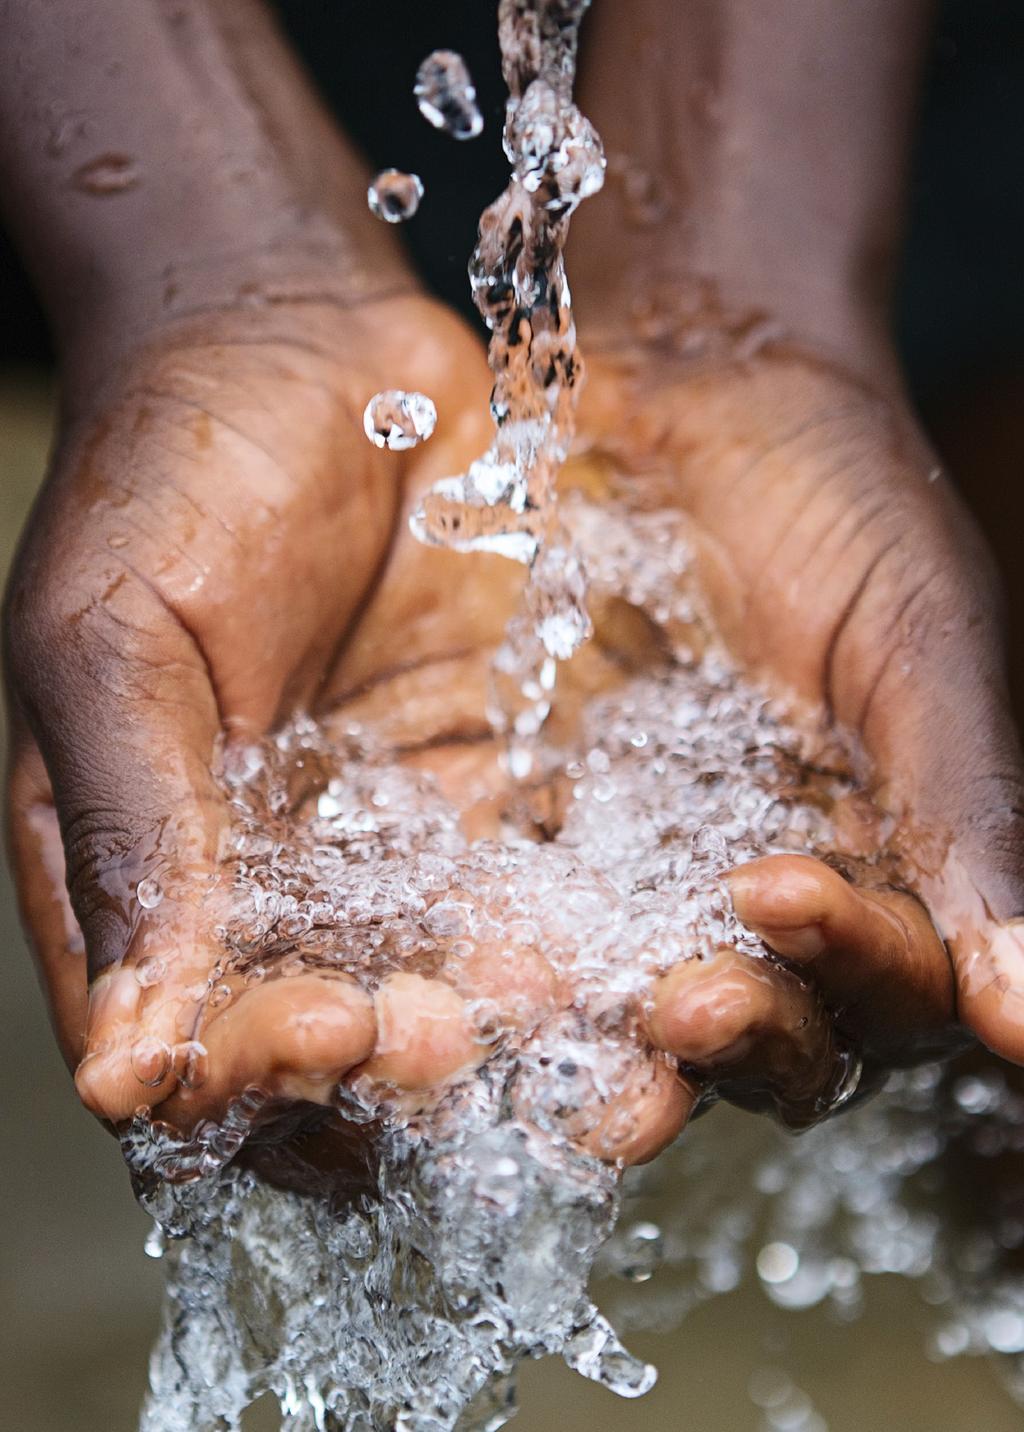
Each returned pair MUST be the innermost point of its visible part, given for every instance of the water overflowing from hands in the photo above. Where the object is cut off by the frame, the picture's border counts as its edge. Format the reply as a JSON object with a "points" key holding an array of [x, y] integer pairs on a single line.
{"points": [[452, 1234]]}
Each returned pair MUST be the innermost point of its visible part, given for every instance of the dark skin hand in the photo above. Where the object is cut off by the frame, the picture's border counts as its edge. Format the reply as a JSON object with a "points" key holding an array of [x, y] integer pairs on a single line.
{"points": [[218, 545], [744, 351]]}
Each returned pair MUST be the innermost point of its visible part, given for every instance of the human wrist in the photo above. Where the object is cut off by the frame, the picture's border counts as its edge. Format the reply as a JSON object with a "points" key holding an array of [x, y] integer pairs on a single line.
{"points": [[756, 153], [151, 154], [674, 300]]}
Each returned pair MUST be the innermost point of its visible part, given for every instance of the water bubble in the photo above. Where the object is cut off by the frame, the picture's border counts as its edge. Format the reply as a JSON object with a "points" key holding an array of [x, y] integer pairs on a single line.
{"points": [[769, 1388], [976, 1095], [155, 1244], [447, 919], [219, 995], [150, 971], [1004, 1331], [398, 420], [149, 893], [394, 196], [150, 1061], [191, 1063], [328, 806], [446, 95], [776, 1262], [106, 175], [952, 1340], [640, 1253]]}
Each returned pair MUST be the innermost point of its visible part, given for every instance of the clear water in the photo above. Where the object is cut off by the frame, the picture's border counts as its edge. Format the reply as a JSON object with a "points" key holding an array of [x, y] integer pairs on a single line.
{"points": [[470, 1242], [394, 196], [461, 1235], [506, 501]]}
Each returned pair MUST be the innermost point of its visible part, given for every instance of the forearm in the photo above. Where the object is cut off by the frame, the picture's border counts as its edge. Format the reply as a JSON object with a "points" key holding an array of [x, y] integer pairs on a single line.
{"points": [[757, 150], [157, 157]]}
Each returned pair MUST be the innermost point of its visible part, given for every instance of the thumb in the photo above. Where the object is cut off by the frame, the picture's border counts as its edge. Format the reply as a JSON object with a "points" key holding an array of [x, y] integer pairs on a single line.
{"points": [[118, 699], [945, 742]]}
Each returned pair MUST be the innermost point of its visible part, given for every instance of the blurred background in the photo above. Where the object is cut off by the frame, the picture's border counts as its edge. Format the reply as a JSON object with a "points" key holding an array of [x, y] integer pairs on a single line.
{"points": [[79, 1300]]}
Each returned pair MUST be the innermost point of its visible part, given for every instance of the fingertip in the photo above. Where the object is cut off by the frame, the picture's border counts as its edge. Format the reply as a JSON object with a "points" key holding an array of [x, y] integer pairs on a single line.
{"points": [[424, 1034], [515, 984], [111, 1082], [108, 1083], [292, 1038], [326, 1027], [647, 1117], [990, 988], [702, 1007], [785, 899]]}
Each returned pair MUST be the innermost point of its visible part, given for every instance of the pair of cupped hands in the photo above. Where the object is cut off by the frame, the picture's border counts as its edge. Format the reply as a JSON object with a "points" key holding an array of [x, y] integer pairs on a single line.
{"points": [[217, 546]]}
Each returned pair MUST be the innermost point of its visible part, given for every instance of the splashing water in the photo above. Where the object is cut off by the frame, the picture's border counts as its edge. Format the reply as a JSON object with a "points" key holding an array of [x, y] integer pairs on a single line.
{"points": [[406, 1297], [398, 420], [446, 95], [394, 196], [922, 1183], [399, 1286], [506, 501]]}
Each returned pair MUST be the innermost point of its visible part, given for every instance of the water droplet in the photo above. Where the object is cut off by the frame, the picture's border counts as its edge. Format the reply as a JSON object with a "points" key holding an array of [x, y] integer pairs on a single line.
{"points": [[446, 95], [191, 1063], [107, 174], [1004, 1331], [641, 1253], [776, 1262], [398, 420], [447, 919], [394, 196], [150, 1060], [150, 971], [149, 893], [255, 975], [219, 995], [155, 1244]]}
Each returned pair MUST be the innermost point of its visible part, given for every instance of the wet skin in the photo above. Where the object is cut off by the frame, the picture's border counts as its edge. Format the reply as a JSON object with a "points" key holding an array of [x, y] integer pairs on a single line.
{"points": [[218, 545]]}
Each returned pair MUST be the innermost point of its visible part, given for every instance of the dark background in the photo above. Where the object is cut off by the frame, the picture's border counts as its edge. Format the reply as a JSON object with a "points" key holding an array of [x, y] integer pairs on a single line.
{"points": [[960, 309]]}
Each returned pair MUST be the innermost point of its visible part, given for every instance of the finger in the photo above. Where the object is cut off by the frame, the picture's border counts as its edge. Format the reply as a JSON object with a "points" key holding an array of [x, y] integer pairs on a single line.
{"points": [[506, 987], [607, 1094], [874, 955], [117, 695], [931, 703], [647, 1115], [143, 1015], [751, 1024], [37, 864], [425, 1034], [292, 1039]]}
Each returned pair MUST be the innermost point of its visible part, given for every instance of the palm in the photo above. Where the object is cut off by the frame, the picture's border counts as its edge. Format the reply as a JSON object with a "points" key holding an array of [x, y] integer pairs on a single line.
{"points": [[842, 569], [204, 546]]}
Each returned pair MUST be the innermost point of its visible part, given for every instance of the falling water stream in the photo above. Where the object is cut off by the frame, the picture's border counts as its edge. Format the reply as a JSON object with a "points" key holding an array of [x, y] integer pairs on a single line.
{"points": [[402, 1288]]}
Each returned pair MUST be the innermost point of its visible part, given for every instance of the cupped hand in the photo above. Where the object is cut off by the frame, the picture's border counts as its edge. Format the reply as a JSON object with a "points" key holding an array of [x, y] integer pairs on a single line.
{"points": [[214, 521], [844, 572], [216, 547]]}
